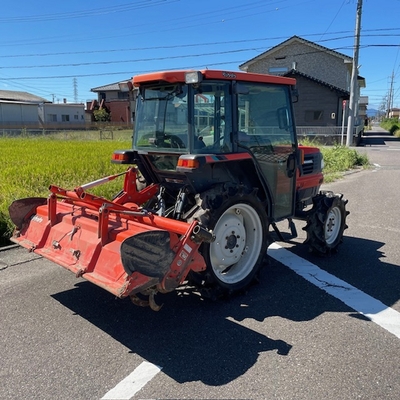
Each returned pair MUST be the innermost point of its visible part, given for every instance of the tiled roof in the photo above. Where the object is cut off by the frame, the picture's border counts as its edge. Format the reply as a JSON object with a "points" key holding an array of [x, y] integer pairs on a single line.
{"points": [[294, 39], [295, 72], [107, 88], [10, 95]]}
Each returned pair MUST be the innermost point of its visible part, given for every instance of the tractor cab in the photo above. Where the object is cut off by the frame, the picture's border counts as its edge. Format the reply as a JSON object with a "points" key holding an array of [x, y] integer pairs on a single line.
{"points": [[200, 128]]}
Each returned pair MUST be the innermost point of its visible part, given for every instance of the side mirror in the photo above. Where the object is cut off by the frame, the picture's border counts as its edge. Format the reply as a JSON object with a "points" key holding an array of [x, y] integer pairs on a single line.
{"points": [[295, 95]]}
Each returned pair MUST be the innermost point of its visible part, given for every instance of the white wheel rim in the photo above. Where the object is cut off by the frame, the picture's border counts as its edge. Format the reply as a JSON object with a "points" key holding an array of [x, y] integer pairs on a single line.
{"points": [[238, 243], [332, 225]]}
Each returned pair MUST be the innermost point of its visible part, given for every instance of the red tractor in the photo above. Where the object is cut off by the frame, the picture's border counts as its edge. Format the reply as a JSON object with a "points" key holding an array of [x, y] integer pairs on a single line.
{"points": [[215, 162]]}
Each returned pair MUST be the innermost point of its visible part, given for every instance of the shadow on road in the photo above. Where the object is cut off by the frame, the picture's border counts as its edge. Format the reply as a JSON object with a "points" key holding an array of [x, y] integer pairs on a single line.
{"points": [[371, 138], [195, 339], [191, 338]]}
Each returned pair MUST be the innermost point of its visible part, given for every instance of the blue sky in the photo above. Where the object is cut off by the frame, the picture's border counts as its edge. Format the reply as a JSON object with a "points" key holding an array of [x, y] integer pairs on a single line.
{"points": [[60, 50]]}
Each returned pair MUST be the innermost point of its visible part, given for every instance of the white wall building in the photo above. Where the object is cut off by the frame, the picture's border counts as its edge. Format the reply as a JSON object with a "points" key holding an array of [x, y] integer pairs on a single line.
{"points": [[18, 113], [61, 115]]}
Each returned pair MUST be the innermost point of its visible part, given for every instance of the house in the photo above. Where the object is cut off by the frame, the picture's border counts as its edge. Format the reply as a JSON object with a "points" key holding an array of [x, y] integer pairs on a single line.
{"points": [[323, 80], [394, 113], [362, 108], [119, 101]]}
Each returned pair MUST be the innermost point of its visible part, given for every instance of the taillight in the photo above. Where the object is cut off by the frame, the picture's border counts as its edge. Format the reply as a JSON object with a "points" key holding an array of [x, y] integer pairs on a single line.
{"points": [[189, 163], [122, 157]]}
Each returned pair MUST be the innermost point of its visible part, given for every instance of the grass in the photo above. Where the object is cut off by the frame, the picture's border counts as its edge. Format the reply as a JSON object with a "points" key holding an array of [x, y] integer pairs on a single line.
{"points": [[30, 164], [339, 159], [392, 125]]}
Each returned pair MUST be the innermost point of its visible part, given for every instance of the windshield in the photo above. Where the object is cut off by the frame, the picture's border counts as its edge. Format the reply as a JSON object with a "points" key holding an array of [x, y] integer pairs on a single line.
{"points": [[212, 119], [162, 119], [168, 114]]}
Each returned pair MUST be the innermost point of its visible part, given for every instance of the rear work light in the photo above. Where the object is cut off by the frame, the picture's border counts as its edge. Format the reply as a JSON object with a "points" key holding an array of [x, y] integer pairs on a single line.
{"points": [[193, 77]]}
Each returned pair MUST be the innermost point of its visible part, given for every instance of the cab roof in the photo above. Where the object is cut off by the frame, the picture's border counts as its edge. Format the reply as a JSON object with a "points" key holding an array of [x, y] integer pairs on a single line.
{"points": [[179, 77]]}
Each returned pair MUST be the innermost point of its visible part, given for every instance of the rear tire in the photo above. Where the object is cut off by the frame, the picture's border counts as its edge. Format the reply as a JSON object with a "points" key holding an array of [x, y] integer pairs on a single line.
{"points": [[326, 223], [241, 229]]}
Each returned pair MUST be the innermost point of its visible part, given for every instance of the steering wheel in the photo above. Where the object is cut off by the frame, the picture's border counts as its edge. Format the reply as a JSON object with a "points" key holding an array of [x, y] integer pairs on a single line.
{"points": [[176, 141]]}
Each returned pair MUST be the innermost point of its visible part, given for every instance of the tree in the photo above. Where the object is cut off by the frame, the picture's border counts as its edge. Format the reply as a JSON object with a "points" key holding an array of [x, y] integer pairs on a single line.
{"points": [[102, 115]]}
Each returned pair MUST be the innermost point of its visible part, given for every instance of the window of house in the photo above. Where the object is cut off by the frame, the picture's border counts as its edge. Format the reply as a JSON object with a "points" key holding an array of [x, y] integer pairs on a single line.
{"points": [[314, 115], [76, 117], [278, 70], [52, 117], [65, 118], [123, 95]]}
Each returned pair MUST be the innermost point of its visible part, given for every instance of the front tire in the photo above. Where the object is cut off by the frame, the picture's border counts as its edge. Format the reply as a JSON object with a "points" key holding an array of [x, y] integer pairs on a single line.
{"points": [[241, 229], [326, 223]]}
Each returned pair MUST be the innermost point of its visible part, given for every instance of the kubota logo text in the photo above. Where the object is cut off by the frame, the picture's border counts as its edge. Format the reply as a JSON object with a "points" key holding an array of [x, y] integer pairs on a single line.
{"points": [[229, 75]]}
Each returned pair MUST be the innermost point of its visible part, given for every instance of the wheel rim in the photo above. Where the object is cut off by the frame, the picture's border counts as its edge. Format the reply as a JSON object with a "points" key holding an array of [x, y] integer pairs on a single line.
{"points": [[332, 225], [236, 249]]}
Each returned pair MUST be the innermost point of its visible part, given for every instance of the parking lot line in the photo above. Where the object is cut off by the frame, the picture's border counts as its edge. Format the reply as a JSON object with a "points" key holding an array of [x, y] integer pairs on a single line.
{"points": [[127, 388], [373, 309]]}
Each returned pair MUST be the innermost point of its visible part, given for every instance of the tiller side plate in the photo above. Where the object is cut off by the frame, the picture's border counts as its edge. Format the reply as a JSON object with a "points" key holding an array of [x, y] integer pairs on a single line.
{"points": [[116, 244]]}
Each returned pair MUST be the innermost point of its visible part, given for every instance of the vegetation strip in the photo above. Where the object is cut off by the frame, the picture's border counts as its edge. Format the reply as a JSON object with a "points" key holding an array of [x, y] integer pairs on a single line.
{"points": [[31, 164]]}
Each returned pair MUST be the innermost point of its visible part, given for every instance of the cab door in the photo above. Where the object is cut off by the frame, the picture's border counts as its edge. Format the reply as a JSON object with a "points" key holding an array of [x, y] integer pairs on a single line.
{"points": [[266, 128]]}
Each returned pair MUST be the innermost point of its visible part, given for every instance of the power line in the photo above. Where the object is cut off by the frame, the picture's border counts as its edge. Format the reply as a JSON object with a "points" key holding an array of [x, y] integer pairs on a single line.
{"points": [[198, 16], [169, 57], [85, 13], [195, 45], [333, 19]]}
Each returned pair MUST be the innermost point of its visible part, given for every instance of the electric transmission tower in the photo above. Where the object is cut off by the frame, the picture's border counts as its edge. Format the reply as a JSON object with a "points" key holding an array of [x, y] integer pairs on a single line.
{"points": [[75, 90]]}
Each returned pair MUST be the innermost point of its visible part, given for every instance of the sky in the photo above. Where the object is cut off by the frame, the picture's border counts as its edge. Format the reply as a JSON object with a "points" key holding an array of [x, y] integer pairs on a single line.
{"points": [[62, 50]]}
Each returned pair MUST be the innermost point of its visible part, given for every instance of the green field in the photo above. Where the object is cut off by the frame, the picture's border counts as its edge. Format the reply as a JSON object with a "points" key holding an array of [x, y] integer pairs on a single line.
{"points": [[30, 165]]}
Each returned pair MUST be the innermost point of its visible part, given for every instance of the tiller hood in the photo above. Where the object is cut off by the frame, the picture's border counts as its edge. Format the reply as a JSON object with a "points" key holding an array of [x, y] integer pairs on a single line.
{"points": [[117, 245]]}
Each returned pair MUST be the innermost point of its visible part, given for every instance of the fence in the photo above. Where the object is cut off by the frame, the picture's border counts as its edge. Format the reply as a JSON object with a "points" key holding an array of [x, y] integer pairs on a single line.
{"points": [[90, 132], [325, 135], [329, 135]]}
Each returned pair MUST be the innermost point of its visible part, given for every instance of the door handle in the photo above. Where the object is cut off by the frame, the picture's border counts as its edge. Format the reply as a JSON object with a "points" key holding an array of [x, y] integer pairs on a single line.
{"points": [[290, 165]]}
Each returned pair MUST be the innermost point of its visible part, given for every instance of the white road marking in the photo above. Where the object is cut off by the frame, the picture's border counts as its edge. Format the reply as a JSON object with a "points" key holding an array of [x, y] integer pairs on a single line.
{"points": [[127, 388], [373, 309], [364, 304]]}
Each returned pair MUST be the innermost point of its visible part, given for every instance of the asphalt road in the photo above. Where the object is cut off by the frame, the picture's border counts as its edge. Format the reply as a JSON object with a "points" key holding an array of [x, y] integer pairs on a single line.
{"points": [[64, 338]]}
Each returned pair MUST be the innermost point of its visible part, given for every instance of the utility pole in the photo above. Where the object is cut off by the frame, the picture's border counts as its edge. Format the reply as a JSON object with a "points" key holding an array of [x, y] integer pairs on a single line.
{"points": [[354, 74], [390, 97]]}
